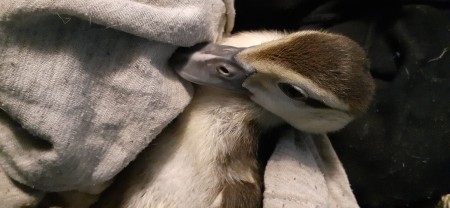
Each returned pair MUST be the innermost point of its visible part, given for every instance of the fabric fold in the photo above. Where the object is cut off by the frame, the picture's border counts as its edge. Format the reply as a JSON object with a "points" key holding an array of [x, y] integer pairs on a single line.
{"points": [[304, 171], [85, 85], [182, 23]]}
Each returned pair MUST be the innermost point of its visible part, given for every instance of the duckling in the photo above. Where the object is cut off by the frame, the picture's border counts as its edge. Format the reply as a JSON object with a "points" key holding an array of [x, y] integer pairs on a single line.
{"points": [[254, 81]]}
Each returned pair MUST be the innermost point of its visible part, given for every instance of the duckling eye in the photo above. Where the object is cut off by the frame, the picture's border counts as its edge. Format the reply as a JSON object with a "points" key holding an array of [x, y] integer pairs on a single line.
{"points": [[293, 92]]}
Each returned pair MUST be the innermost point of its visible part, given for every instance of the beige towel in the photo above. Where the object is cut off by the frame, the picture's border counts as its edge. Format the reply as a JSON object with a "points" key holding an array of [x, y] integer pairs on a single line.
{"points": [[304, 171], [89, 81]]}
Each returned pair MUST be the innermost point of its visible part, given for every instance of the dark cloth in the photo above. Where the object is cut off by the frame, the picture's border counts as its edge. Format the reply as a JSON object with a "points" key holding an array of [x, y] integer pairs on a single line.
{"points": [[398, 153]]}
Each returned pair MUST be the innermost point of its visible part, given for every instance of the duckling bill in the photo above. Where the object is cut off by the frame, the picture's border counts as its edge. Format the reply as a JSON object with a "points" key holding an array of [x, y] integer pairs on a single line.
{"points": [[213, 65]]}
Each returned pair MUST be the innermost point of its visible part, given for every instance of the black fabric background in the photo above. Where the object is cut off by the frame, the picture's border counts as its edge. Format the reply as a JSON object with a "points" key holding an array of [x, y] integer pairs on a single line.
{"points": [[398, 154]]}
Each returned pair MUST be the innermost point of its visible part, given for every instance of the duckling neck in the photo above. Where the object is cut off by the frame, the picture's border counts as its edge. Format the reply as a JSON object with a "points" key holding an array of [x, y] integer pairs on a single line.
{"points": [[224, 124]]}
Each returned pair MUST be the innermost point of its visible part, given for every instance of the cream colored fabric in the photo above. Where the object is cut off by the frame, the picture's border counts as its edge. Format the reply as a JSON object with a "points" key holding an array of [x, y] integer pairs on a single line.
{"points": [[16, 195], [89, 82], [304, 171]]}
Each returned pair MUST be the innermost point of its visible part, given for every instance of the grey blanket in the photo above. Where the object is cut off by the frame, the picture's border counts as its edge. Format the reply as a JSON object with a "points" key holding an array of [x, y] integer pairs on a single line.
{"points": [[85, 86]]}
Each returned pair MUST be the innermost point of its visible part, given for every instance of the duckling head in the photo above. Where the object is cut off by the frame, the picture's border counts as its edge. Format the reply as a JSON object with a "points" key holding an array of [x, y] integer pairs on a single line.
{"points": [[317, 82]]}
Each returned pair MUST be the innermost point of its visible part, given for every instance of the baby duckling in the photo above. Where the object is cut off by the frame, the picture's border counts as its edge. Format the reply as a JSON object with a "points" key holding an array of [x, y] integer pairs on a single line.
{"points": [[315, 81]]}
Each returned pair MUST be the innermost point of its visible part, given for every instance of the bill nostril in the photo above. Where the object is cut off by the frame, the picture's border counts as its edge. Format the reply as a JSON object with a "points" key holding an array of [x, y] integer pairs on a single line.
{"points": [[223, 71]]}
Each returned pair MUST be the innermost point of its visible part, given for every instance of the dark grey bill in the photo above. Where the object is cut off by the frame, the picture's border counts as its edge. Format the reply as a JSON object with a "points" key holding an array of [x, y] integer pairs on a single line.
{"points": [[213, 65]]}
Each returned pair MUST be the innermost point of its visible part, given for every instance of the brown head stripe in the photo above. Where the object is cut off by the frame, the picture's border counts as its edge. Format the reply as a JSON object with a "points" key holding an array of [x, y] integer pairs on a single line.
{"points": [[333, 62]]}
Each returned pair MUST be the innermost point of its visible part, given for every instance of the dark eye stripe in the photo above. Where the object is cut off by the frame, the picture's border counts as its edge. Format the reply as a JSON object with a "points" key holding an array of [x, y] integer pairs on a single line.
{"points": [[293, 92], [296, 93], [315, 103]]}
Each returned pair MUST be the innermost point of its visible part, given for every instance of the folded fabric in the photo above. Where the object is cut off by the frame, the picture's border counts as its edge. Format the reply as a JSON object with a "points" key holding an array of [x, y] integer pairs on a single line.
{"points": [[304, 171], [16, 195], [89, 81]]}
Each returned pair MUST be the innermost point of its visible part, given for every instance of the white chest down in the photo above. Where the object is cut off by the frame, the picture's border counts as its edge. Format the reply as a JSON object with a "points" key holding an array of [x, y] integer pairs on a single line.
{"points": [[206, 158]]}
